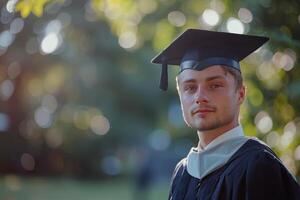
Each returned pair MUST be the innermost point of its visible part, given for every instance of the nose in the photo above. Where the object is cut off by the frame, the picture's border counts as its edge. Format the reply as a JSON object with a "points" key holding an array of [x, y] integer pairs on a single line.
{"points": [[201, 96]]}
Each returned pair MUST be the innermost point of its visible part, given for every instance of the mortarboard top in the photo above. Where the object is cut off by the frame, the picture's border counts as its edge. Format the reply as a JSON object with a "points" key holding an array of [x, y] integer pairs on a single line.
{"points": [[198, 49]]}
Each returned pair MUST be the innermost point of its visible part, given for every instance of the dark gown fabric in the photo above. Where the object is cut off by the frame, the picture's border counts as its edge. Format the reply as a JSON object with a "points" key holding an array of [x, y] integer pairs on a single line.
{"points": [[252, 173]]}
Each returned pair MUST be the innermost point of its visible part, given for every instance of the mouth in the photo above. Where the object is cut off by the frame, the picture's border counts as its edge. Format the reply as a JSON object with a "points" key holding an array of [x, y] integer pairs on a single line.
{"points": [[203, 111]]}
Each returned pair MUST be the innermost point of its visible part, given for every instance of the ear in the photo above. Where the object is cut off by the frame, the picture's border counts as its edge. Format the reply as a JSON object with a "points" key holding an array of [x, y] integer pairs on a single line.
{"points": [[241, 94]]}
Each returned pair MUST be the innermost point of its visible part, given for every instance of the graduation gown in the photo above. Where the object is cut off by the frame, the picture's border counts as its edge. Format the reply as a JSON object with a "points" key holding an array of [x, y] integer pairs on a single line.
{"points": [[252, 173]]}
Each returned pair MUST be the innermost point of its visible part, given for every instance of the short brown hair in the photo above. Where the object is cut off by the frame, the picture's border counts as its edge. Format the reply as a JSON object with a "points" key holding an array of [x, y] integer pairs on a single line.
{"points": [[236, 75]]}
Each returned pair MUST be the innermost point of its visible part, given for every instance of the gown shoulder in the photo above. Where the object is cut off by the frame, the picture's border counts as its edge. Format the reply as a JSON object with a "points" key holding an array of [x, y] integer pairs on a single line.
{"points": [[253, 172]]}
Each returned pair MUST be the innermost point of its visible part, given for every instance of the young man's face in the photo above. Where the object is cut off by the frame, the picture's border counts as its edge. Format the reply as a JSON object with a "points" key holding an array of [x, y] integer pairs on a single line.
{"points": [[209, 98]]}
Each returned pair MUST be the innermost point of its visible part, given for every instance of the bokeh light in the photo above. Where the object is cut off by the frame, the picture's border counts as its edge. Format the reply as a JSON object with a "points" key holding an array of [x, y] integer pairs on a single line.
{"points": [[273, 139], [27, 161], [234, 25], [100, 125], [263, 122], [210, 17], [50, 43], [146, 6], [53, 26], [269, 74], [218, 6], [13, 70], [10, 5], [128, 40], [288, 135], [6, 39], [54, 138], [111, 165], [297, 153], [6, 16], [43, 117], [177, 18], [284, 60], [245, 15], [49, 103], [159, 140], [4, 122], [16, 25], [6, 89]]}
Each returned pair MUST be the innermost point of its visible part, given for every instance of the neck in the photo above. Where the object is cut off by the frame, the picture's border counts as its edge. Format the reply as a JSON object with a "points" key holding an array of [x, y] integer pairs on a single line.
{"points": [[207, 136]]}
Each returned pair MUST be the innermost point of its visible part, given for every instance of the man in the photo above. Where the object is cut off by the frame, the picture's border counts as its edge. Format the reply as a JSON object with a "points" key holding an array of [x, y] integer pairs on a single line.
{"points": [[225, 164]]}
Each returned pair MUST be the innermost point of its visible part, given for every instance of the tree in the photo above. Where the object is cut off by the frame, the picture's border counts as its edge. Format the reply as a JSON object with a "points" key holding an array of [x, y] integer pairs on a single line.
{"points": [[99, 70]]}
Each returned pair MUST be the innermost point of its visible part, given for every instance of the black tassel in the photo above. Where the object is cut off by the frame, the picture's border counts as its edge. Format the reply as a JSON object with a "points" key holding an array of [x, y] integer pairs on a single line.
{"points": [[164, 77]]}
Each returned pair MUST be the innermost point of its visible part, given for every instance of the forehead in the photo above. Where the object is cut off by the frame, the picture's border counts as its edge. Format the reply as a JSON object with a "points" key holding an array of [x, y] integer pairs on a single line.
{"points": [[215, 71]]}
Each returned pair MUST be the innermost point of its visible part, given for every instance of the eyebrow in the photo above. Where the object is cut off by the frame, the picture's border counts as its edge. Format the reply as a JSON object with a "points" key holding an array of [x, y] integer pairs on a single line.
{"points": [[206, 79], [214, 77], [189, 81]]}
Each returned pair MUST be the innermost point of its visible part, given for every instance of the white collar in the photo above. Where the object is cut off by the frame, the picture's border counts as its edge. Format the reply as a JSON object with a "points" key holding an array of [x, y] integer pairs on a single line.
{"points": [[232, 133], [203, 161]]}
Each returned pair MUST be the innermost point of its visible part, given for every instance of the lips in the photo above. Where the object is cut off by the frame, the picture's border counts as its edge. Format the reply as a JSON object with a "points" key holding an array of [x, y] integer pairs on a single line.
{"points": [[203, 111]]}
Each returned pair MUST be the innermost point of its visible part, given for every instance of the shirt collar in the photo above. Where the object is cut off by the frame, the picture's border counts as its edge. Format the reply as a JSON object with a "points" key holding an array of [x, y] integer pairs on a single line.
{"points": [[232, 133], [201, 162]]}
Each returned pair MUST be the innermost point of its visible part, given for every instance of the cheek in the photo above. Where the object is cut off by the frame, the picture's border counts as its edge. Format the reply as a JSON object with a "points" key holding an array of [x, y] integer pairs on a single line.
{"points": [[186, 100], [228, 101], [186, 103]]}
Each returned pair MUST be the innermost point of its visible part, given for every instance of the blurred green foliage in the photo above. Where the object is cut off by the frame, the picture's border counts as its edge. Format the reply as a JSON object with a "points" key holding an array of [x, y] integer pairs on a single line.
{"points": [[88, 63]]}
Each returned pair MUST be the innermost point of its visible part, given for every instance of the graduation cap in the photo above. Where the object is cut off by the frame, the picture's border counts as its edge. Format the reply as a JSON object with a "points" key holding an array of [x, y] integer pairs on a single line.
{"points": [[198, 49]]}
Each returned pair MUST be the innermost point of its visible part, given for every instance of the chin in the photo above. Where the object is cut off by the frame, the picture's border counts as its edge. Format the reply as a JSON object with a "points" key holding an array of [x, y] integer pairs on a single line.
{"points": [[205, 126]]}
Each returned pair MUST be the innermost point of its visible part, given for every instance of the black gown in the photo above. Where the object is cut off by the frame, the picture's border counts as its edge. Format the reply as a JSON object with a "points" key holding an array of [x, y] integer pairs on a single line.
{"points": [[252, 173]]}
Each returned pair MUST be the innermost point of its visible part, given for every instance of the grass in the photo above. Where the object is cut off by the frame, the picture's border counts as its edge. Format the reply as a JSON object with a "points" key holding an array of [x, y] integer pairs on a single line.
{"points": [[19, 188]]}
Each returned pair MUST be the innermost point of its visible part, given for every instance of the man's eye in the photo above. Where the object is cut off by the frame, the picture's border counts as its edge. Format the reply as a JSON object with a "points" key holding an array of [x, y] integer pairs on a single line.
{"points": [[215, 86], [189, 88]]}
